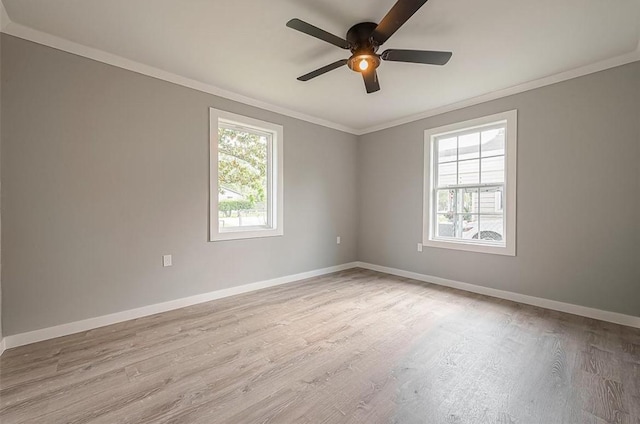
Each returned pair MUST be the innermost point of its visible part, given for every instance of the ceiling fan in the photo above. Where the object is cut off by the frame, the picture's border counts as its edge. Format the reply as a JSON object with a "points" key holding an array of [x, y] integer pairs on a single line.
{"points": [[365, 38]]}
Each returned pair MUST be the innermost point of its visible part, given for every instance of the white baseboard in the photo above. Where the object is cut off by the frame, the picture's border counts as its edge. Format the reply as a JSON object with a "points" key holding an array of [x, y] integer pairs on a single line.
{"points": [[22, 339], [614, 317]]}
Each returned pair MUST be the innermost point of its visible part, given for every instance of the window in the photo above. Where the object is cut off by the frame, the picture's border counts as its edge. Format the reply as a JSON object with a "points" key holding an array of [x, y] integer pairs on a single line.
{"points": [[470, 185], [246, 182]]}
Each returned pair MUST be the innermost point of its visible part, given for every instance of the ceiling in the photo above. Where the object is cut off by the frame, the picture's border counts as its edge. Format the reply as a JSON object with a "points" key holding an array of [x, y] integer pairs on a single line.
{"points": [[244, 47]]}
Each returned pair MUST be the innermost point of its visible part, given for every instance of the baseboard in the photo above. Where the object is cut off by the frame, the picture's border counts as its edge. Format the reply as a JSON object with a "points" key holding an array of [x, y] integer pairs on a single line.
{"points": [[22, 339], [614, 317]]}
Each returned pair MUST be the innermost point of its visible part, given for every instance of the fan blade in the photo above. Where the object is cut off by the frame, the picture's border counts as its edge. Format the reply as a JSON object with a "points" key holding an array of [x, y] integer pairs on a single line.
{"points": [[371, 82], [316, 32], [417, 56], [397, 16], [323, 70]]}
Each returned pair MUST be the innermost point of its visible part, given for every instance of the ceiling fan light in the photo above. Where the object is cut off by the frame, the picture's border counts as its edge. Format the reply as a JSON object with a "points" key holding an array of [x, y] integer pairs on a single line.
{"points": [[362, 62]]}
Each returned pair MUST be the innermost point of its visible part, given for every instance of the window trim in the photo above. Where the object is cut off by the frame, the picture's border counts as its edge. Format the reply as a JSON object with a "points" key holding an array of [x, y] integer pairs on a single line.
{"points": [[275, 179], [510, 118]]}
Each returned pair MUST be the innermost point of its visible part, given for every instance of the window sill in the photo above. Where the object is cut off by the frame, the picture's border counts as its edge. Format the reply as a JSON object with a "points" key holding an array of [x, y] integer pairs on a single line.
{"points": [[471, 247], [245, 234]]}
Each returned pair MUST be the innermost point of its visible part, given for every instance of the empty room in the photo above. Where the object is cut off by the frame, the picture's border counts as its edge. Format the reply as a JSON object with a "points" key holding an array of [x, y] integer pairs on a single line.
{"points": [[319, 211]]}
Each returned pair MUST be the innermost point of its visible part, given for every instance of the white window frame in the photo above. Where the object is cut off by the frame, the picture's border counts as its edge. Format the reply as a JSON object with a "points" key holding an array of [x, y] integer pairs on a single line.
{"points": [[510, 119], [275, 178]]}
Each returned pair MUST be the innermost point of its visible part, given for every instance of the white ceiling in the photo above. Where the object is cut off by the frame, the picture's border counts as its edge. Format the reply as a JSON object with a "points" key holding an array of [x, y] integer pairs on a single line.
{"points": [[245, 48]]}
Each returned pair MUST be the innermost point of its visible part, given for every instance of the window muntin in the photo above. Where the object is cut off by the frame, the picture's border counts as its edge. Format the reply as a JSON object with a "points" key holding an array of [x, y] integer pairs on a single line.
{"points": [[246, 177], [469, 174]]}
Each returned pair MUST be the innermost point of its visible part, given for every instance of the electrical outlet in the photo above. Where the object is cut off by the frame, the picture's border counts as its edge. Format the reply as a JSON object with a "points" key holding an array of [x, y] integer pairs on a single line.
{"points": [[338, 240], [167, 260], [419, 247]]}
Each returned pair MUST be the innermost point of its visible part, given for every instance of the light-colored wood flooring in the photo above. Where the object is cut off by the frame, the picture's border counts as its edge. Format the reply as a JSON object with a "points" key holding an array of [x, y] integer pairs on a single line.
{"points": [[352, 347]]}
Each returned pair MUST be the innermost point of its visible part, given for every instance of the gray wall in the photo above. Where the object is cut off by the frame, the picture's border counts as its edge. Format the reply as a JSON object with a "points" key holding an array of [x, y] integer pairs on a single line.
{"points": [[578, 235], [0, 190], [104, 171]]}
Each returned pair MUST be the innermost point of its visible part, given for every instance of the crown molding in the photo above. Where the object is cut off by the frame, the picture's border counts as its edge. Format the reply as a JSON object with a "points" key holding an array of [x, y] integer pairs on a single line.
{"points": [[4, 18], [30, 34], [516, 89], [39, 37]]}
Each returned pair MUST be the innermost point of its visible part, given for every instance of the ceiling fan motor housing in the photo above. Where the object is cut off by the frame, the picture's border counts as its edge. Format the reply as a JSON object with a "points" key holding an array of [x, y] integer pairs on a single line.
{"points": [[362, 46]]}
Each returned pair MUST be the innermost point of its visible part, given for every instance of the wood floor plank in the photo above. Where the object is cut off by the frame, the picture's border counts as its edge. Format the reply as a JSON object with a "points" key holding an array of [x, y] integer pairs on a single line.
{"points": [[352, 347]]}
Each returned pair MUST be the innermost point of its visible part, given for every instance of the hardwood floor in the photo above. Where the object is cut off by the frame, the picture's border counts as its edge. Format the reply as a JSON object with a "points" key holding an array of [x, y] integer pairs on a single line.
{"points": [[352, 347]]}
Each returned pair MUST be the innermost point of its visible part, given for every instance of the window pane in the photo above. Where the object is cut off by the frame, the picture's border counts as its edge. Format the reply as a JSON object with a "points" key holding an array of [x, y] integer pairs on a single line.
{"points": [[469, 200], [491, 227], [242, 178], [469, 226], [493, 142], [491, 200], [446, 227], [447, 173], [446, 200], [469, 172], [493, 170], [447, 149], [469, 146]]}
